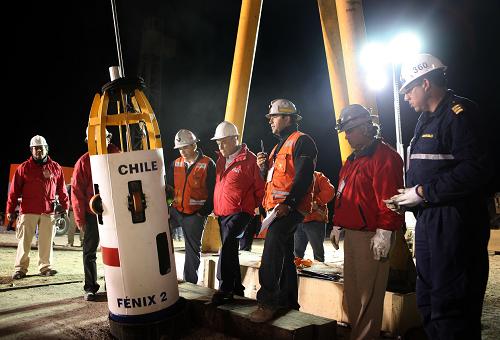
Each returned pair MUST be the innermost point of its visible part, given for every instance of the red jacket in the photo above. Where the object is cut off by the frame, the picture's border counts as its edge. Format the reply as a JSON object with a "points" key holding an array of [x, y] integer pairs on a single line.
{"points": [[369, 177], [37, 184], [239, 188], [323, 193], [82, 187]]}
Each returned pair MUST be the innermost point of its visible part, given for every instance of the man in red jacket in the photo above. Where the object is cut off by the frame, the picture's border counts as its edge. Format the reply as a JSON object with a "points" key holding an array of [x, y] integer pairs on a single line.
{"points": [[313, 228], [38, 180], [239, 189], [371, 174], [82, 190]]}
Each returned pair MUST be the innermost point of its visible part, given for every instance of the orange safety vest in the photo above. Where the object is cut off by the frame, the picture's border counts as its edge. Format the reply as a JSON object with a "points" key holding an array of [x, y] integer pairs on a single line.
{"points": [[190, 189], [278, 188], [323, 193]]}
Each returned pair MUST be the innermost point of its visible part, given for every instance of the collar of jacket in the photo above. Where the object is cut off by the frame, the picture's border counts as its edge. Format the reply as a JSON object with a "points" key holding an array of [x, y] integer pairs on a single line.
{"points": [[443, 104], [41, 162], [200, 154], [368, 151], [241, 155], [287, 131]]}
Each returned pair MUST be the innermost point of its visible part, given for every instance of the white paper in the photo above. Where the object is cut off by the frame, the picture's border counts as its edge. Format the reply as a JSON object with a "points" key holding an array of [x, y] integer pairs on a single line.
{"points": [[270, 175], [271, 216]]}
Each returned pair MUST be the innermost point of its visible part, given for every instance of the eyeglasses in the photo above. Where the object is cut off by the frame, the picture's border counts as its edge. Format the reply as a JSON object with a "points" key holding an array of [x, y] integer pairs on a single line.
{"points": [[410, 89]]}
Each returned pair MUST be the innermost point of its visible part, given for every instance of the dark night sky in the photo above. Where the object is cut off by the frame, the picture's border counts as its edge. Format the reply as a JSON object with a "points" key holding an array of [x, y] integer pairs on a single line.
{"points": [[57, 57]]}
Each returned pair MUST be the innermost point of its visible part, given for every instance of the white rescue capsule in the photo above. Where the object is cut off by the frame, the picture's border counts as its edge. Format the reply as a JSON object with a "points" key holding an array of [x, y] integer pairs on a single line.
{"points": [[131, 205]]}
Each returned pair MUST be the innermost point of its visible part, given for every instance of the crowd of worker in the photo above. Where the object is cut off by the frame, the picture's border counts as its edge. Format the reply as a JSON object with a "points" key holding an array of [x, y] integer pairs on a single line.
{"points": [[446, 188]]}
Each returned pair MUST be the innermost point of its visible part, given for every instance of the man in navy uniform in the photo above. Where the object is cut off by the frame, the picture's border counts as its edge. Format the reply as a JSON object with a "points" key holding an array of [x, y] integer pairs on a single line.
{"points": [[445, 187]]}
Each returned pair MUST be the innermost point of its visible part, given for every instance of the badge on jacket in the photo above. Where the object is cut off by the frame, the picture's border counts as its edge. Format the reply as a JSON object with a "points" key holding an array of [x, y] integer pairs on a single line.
{"points": [[47, 174], [341, 187]]}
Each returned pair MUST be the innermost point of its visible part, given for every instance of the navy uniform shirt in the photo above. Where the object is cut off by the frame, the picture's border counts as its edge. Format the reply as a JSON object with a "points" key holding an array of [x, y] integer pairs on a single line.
{"points": [[447, 156]]}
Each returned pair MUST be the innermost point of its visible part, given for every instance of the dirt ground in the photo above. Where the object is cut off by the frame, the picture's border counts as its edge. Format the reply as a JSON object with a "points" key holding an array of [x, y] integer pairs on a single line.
{"points": [[52, 308]]}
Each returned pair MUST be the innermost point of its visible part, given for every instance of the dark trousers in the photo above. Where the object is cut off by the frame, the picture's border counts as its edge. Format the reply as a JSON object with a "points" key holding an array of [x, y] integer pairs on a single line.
{"points": [[228, 267], [90, 244], [277, 272], [251, 230], [313, 232], [192, 227], [452, 271]]}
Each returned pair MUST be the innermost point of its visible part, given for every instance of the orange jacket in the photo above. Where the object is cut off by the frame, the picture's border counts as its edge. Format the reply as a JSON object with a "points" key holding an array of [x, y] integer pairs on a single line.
{"points": [[323, 193], [190, 187], [283, 173]]}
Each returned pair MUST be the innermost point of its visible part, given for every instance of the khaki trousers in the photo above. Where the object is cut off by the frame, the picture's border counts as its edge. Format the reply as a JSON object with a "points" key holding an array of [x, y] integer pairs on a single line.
{"points": [[70, 219], [26, 227], [365, 281]]}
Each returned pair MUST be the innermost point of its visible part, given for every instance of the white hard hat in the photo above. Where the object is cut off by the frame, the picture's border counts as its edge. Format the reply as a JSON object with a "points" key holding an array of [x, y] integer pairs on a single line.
{"points": [[416, 67], [225, 129], [109, 135], [38, 141], [283, 107], [183, 138]]}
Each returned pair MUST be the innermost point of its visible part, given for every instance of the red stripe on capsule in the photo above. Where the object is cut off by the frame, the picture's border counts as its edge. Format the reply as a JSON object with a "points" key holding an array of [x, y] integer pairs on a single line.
{"points": [[110, 256]]}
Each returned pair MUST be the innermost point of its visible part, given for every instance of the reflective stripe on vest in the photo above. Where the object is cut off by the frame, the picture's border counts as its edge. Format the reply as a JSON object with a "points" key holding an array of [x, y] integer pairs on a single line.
{"points": [[196, 202], [283, 175], [432, 156]]}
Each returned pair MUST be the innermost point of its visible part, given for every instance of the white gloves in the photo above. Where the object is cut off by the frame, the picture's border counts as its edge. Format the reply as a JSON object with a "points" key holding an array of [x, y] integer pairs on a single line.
{"points": [[381, 243], [335, 236], [407, 197]]}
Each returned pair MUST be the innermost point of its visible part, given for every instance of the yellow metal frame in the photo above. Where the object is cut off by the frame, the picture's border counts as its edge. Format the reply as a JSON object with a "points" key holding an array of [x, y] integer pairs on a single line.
{"points": [[99, 120], [343, 29]]}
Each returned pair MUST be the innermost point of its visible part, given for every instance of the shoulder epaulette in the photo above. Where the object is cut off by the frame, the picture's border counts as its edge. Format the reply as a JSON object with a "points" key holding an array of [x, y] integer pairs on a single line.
{"points": [[457, 108]]}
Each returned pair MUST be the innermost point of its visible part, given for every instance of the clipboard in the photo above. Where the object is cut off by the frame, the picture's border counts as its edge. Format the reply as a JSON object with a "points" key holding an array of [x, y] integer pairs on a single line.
{"points": [[271, 216]]}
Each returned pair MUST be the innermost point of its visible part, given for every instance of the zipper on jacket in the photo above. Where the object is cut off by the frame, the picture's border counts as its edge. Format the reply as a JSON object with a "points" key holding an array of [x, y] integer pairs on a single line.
{"points": [[362, 217], [188, 171]]}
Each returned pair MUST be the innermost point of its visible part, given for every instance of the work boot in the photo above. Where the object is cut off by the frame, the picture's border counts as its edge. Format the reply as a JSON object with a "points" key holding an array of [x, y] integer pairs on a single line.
{"points": [[263, 314], [220, 297], [49, 272], [18, 275], [89, 296]]}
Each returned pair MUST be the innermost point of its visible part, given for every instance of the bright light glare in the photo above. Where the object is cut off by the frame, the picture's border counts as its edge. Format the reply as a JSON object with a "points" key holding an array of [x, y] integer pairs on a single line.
{"points": [[404, 45], [374, 56], [376, 79]]}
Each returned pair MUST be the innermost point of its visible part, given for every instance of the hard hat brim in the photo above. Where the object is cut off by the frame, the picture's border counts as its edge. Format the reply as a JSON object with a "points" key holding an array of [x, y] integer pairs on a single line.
{"points": [[185, 144], [217, 138], [408, 84], [299, 117], [352, 123]]}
